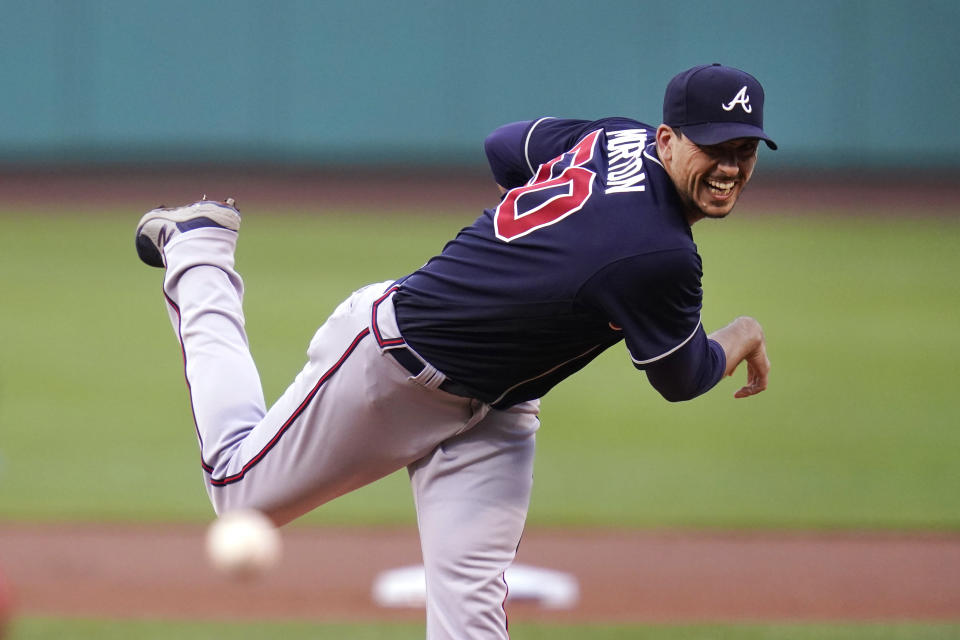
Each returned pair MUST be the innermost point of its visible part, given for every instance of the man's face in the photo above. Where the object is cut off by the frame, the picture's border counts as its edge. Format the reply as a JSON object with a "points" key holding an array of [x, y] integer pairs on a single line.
{"points": [[709, 179]]}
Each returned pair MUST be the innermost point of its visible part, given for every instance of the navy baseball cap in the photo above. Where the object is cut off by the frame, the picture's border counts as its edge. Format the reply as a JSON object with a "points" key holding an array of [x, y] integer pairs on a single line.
{"points": [[712, 103]]}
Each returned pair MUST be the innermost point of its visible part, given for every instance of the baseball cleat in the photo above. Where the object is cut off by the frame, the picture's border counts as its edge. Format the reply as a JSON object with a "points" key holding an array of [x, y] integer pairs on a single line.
{"points": [[157, 227]]}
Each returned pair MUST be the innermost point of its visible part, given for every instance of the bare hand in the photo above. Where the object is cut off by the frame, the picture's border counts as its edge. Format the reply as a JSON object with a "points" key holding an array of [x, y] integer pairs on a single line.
{"points": [[741, 340], [758, 370]]}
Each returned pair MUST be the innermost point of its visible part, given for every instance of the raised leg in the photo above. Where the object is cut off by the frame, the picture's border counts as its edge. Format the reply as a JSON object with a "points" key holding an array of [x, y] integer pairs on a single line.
{"points": [[351, 416], [204, 299]]}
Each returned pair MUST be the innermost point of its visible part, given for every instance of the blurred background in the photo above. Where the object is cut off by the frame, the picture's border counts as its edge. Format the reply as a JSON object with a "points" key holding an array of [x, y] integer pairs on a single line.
{"points": [[351, 133], [849, 83]]}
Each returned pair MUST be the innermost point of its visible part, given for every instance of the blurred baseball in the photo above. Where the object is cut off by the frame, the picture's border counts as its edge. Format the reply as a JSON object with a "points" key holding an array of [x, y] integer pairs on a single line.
{"points": [[243, 544]]}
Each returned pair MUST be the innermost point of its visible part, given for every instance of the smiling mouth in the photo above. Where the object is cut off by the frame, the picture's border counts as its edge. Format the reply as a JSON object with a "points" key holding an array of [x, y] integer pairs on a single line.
{"points": [[720, 188]]}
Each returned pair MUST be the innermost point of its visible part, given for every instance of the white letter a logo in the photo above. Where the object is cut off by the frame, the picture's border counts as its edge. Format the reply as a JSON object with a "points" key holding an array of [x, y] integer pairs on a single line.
{"points": [[741, 99]]}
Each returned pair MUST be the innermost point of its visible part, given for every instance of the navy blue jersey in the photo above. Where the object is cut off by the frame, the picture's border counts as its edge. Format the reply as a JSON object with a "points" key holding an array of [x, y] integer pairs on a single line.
{"points": [[589, 246]]}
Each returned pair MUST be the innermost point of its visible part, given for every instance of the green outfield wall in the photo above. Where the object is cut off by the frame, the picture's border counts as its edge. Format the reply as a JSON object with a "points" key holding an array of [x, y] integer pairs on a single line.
{"points": [[850, 83]]}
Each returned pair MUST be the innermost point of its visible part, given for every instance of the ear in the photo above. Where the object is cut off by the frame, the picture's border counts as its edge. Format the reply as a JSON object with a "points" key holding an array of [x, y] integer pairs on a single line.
{"points": [[665, 140]]}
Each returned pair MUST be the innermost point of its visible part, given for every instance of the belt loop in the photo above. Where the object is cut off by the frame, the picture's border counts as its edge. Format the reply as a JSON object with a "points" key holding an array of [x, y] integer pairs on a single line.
{"points": [[430, 377]]}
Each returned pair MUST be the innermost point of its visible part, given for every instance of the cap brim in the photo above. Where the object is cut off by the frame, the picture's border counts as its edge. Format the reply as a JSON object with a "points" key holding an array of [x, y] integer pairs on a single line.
{"points": [[717, 132]]}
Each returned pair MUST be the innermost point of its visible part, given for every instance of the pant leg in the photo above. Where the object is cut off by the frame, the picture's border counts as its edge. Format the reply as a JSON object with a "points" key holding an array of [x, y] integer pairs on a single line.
{"points": [[472, 494], [204, 300], [352, 415]]}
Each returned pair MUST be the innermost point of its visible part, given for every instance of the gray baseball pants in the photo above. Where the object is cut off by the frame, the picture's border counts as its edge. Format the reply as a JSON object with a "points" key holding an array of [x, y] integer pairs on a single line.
{"points": [[351, 416]]}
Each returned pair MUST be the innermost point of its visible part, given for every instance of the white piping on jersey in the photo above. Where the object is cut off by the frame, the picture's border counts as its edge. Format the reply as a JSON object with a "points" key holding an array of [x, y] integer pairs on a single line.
{"points": [[650, 157], [526, 144], [664, 355], [547, 372]]}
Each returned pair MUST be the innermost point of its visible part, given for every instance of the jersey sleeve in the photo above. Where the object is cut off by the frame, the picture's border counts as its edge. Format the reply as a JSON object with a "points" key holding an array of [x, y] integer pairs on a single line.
{"points": [[504, 149], [655, 300], [515, 151], [690, 371]]}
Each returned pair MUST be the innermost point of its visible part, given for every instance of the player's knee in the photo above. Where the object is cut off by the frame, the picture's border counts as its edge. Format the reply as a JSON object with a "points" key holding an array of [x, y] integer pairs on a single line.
{"points": [[225, 498]]}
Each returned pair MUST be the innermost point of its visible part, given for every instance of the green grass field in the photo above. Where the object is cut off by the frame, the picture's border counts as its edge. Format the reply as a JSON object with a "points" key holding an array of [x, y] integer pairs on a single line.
{"points": [[858, 429], [51, 629]]}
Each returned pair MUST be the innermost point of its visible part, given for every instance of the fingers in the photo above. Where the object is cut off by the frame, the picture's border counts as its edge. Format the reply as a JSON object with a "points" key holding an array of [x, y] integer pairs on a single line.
{"points": [[758, 371], [749, 390]]}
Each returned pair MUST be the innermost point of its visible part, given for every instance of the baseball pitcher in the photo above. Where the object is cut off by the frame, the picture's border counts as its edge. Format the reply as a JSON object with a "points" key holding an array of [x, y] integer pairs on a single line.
{"points": [[441, 371]]}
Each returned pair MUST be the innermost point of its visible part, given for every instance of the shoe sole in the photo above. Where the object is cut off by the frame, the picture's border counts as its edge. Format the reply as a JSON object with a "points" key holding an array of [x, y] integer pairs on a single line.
{"points": [[218, 215]]}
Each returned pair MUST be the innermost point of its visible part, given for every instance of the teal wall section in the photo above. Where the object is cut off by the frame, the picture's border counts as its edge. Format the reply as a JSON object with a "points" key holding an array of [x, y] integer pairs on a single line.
{"points": [[849, 82]]}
